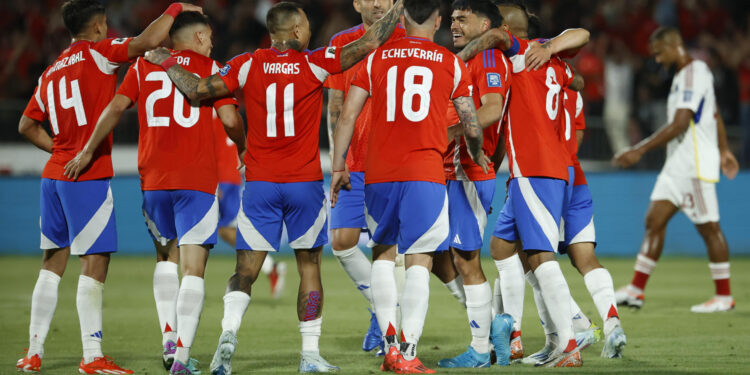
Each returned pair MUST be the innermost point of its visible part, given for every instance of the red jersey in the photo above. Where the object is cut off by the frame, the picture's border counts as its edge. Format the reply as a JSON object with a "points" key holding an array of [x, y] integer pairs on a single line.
{"points": [[226, 155], [176, 137], [534, 128], [286, 90], [574, 121], [489, 74], [71, 94], [355, 158], [410, 81]]}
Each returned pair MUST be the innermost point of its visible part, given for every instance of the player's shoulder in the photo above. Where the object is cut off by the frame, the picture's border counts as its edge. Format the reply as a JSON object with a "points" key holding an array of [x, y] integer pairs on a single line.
{"points": [[699, 68], [343, 37]]}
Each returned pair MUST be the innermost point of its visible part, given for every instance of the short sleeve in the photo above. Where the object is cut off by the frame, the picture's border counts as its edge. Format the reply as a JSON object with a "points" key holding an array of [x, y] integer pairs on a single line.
{"points": [[696, 81], [336, 82], [324, 61], [227, 100], [362, 77], [461, 79], [35, 109], [567, 77], [517, 53], [130, 87], [580, 119], [234, 73], [114, 50], [493, 76]]}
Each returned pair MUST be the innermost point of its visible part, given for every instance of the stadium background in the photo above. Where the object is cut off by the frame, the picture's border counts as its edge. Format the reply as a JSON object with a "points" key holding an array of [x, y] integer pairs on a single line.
{"points": [[621, 83]]}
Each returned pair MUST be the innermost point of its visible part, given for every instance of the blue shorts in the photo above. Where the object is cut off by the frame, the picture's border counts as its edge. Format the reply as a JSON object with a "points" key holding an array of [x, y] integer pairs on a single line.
{"points": [[532, 213], [578, 219], [190, 216], [468, 206], [78, 214], [350, 208], [268, 206], [229, 204], [410, 214]]}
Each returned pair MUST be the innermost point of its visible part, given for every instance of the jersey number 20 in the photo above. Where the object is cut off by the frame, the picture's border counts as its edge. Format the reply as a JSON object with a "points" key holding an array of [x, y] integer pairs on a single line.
{"points": [[177, 108]]}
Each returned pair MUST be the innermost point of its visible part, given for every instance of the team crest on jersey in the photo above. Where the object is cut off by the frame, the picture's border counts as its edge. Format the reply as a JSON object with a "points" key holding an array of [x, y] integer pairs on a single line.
{"points": [[493, 80], [119, 40], [687, 96], [331, 53], [225, 70]]}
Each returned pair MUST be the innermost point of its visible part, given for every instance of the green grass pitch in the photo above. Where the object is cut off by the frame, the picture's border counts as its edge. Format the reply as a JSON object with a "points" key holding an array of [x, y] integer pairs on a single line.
{"points": [[664, 337]]}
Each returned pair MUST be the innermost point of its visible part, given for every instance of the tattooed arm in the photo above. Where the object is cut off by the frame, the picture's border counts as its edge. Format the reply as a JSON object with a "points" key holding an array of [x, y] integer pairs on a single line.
{"points": [[492, 38], [192, 86], [378, 33], [355, 100], [335, 103], [467, 113], [566, 44]]}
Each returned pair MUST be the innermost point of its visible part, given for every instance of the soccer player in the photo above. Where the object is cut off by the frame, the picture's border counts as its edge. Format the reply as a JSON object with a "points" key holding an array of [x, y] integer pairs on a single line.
{"points": [[229, 194], [470, 190], [411, 80], [77, 216], [697, 149], [177, 164], [348, 217], [284, 181]]}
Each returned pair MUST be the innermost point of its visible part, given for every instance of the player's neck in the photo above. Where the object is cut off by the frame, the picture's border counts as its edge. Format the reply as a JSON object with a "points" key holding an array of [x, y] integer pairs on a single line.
{"points": [[423, 34], [365, 26], [86, 37], [282, 45], [683, 60], [186, 47]]}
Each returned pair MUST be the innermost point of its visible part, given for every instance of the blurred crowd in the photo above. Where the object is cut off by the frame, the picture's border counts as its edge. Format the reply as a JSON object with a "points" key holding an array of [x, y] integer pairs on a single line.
{"points": [[625, 90]]}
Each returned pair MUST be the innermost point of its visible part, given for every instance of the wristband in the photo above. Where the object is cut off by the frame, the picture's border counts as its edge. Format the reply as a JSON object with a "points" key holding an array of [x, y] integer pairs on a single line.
{"points": [[174, 9], [168, 63]]}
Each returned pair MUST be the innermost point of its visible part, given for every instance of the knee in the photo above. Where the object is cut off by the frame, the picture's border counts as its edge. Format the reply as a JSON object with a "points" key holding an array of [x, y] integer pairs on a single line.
{"points": [[344, 238], [708, 230], [654, 223]]}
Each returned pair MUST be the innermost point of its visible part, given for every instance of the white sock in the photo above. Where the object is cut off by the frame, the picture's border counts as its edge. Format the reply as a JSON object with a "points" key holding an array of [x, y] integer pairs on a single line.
{"points": [[512, 288], [414, 303], [166, 287], [189, 307], [602, 290], [384, 294], [358, 267], [581, 322], [89, 304], [456, 287], [399, 272], [479, 311], [556, 297], [497, 299], [310, 331], [267, 266], [235, 305], [43, 304], [541, 308]]}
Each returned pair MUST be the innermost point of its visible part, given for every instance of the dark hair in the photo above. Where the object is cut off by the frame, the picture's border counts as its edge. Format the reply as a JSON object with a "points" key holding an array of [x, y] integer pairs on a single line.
{"points": [[483, 8], [534, 23], [77, 14], [663, 31], [421, 10], [186, 19], [280, 13]]}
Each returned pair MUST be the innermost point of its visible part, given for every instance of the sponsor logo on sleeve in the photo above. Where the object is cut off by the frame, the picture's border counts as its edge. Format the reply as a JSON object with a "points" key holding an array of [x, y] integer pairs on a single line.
{"points": [[225, 70], [331, 52], [687, 96], [493, 80], [119, 41]]}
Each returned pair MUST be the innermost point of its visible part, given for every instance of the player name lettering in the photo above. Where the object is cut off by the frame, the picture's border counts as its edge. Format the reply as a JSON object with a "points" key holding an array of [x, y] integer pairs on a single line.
{"points": [[66, 62], [405, 53], [281, 68]]}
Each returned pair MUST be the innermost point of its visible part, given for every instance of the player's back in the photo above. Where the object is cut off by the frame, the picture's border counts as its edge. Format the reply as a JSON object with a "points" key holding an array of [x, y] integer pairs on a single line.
{"points": [[176, 145], [411, 82], [71, 94], [535, 123], [283, 99]]}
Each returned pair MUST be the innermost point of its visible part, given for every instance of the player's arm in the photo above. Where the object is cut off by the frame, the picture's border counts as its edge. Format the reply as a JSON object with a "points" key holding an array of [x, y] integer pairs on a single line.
{"points": [[577, 84], [234, 128], [335, 104], [579, 137], [106, 124], [678, 126], [35, 133], [192, 86], [473, 135], [492, 38], [729, 165], [158, 30], [375, 35], [566, 44], [353, 104], [491, 109]]}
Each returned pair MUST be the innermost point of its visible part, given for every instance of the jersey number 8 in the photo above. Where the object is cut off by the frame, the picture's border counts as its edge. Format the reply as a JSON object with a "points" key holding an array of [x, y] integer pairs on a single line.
{"points": [[411, 89]]}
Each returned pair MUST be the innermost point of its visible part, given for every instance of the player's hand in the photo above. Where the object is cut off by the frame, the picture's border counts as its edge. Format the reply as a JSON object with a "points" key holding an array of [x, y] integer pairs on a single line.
{"points": [[76, 165], [729, 164], [484, 163], [339, 180], [187, 7], [157, 55], [537, 55], [454, 131], [627, 157]]}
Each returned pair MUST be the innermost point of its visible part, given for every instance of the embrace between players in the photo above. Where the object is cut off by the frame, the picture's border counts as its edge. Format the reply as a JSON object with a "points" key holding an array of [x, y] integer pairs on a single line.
{"points": [[419, 133]]}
